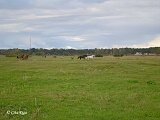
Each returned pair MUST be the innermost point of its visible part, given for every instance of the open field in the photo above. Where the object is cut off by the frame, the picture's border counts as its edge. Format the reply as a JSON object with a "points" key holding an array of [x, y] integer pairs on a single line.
{"points": [[107, 88]]}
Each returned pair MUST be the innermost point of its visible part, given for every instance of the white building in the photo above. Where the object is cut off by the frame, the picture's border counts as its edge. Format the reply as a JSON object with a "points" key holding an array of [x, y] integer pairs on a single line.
{"points": [[138, 53]]}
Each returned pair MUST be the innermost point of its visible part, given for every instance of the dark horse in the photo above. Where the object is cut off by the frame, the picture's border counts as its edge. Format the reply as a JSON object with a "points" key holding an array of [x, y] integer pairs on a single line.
{"points": [[82, 56], [20, 56]]}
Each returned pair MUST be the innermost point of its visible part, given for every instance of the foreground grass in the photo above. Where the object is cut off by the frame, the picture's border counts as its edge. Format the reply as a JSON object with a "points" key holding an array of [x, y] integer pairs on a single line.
{"points": [[104, 88]]}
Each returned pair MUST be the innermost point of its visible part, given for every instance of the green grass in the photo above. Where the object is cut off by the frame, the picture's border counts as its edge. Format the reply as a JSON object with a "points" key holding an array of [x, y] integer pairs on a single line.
{"points": [[65, 89]]}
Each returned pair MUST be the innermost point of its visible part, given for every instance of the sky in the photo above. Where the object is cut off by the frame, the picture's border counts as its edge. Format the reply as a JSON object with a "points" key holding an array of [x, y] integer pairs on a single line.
{"points": [[79, 24]]}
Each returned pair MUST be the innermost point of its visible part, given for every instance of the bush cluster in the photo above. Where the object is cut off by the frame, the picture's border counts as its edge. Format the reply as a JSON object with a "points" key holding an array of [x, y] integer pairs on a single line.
{"points": [[98, 55], [118, 55], [11, 55]]}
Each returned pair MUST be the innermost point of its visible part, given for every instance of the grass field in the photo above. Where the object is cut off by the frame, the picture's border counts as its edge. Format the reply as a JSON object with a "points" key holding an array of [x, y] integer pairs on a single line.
{"points": [[107, 88]]}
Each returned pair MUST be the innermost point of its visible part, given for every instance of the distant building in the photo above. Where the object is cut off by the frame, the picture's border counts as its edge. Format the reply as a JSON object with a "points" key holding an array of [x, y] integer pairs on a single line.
{"points": [[138, 53], [145, 54]]}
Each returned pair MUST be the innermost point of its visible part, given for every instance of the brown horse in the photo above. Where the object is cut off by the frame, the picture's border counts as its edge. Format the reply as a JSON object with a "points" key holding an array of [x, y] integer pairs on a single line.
{"points": [[25, 57]]}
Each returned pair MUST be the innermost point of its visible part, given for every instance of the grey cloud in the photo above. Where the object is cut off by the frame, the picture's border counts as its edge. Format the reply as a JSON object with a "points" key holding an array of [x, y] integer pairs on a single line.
{"points": [[16, 4], [99, 22]]}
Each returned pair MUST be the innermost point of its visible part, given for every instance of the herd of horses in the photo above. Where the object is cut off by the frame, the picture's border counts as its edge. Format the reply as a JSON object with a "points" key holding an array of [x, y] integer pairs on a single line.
{"points": [[25, 57]]}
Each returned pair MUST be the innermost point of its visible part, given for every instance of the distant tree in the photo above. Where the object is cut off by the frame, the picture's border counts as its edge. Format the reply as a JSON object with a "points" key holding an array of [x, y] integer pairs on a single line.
{"points": [[96, 51], [156, 51], [39, 53], [117, 52]]}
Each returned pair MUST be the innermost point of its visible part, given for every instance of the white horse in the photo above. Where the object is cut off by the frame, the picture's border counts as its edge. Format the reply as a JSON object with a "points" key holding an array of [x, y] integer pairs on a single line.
{"points": [[90, 57]]}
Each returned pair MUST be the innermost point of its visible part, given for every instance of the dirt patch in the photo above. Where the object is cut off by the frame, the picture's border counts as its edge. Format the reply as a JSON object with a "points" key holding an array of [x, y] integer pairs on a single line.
{"points": [[3, 108], [151, 57], [111, 63], [108, 57]]}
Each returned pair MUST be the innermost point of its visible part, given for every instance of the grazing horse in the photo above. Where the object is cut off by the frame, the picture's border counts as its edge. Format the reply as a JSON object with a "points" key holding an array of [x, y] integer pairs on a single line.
{"points": [[25, 57], [83, 56], [90, 57]]}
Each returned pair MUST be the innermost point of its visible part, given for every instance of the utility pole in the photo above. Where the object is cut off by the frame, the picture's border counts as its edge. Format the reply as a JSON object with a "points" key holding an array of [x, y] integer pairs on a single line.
{"points": [[30, 42]]}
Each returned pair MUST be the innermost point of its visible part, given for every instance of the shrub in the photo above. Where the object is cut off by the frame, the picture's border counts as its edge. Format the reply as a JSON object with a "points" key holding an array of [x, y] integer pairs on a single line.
{"points": [[39, 53], [98, 55], [151, 82], [118, 55], [11, 55], [54, 56]]}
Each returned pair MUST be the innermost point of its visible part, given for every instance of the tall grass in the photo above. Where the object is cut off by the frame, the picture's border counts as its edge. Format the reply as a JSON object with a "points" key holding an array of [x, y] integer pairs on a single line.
{"points": [[104, 88]]}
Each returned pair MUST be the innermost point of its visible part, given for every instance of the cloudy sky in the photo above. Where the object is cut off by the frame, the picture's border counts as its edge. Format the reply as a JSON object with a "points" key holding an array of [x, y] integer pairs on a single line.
{"points": [[79, 23]]}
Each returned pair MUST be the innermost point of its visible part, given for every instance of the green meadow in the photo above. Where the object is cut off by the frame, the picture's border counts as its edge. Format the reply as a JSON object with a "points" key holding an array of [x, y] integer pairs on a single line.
{"points": [[61, 88]]}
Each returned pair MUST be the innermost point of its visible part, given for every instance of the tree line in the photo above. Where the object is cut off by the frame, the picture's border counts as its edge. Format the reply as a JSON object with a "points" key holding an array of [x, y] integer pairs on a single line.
{"points": [[70, 52]]}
